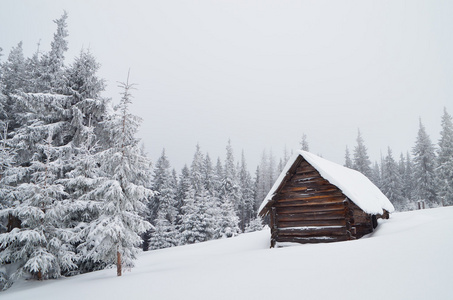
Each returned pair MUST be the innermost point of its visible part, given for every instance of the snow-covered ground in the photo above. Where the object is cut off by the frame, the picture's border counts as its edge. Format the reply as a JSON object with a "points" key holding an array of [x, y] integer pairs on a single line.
{"points": [[409, 256]]}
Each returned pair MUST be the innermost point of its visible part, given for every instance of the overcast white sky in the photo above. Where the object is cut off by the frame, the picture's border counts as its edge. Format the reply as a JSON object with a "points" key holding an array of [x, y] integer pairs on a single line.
{"points": [[261, 73]]}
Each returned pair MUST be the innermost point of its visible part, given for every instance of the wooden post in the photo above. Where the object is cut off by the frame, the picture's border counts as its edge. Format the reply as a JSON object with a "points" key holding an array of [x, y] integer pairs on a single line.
{"points": [[273, 219]]}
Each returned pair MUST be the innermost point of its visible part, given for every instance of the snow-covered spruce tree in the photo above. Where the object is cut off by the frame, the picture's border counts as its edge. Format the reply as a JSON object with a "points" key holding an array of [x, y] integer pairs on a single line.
{"points": [[304, 143], [182, 188], [6, 180], [255, 224], [229, 195], [208, 176], [52, 79], [408, 182], [165, 233], [13, 71], [40, 246], [361, 161], [161, 178], [425, 168], [445, 160], [347, 159], [113, 238], [246, 208], [197, 222], [376, 177], [391, 181]]}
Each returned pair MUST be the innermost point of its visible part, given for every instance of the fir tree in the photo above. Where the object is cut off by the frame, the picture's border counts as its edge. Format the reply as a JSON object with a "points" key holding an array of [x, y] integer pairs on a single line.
{"points": [[347, 159], [197, 223], [408, 179], [391, 181], [361, 161], [255, 224], [113, 238], [13, 71], [40, 246], [445, 160], [164, 234], [304, 143], [246, 208], [229, 195], [424, 168], [52, 63]]}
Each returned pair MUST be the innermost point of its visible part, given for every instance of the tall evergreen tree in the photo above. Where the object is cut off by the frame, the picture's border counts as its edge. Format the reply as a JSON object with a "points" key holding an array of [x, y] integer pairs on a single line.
{"points": [[445, 160], [391, 181], [52, 79], [424, 168], [40, 247], [229, 195], [164, 234], [113, 238], [246, 207], [361, 161], [13, 71], [347, 159], [304, 143]]}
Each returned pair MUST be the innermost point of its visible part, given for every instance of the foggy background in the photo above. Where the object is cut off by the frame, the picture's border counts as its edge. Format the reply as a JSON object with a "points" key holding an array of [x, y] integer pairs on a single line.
{"points": [[261, 73]]}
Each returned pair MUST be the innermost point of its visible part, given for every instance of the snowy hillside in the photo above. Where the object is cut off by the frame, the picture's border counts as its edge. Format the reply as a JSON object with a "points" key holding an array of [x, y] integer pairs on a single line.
{"points": [[408, 257]]}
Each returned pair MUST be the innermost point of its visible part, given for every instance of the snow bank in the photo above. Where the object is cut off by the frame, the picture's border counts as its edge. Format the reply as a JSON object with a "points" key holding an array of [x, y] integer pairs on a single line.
{"points": [[353, 184]]}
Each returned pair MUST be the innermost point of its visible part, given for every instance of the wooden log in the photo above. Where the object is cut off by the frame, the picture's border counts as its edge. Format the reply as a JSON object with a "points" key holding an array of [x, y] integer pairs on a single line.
{"points": [[303, 223], [302, 179], [306, 190], [304, 240], [311, 208], [315, 215], [313, 231], [305, 168], [307, 202]]}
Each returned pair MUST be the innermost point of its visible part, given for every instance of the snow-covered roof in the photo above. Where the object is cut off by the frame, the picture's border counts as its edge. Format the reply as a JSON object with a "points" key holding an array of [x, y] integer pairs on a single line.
{"points": [[356, 186]]}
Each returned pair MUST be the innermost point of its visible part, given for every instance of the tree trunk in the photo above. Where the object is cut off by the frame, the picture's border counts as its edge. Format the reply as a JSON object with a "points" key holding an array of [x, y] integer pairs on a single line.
{"points": [[118, 263], [40, 275]]}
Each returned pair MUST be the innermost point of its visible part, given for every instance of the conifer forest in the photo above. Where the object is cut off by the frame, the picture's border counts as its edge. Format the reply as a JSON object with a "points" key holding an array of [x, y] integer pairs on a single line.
{"points": [[78, 192]]}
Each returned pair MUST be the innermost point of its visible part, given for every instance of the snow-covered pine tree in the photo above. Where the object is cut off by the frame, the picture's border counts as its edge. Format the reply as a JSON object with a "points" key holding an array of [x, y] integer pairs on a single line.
{"points": [[445, 160], [6, 180], [347, 159], [304, 143], [182, 188], [13, 71], [197, 223], [255, 224], [376, 175], [113, 238], [208, 176], [408, 181], [165, 232], [425, 168], [361, 161], [160, 178], [52, 79], [246, 208], [391, 181], [40, 246], [257, 191], [230, 197]]}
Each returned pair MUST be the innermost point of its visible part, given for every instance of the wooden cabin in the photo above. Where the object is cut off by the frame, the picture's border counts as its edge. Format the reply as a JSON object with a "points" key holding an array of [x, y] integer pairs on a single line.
{"points": [[316, 201]]}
